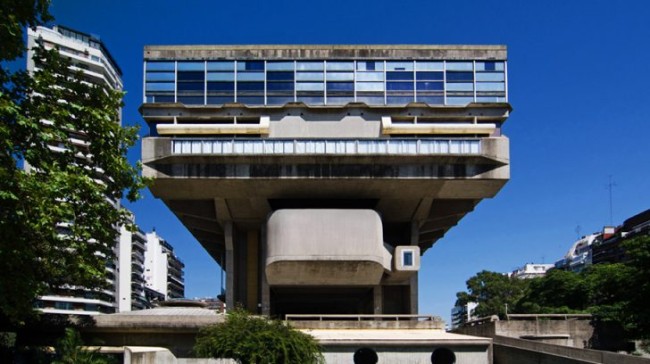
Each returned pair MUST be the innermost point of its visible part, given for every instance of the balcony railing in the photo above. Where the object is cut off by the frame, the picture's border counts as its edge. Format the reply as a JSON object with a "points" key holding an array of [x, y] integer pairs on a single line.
{"points": [[257, 147]]}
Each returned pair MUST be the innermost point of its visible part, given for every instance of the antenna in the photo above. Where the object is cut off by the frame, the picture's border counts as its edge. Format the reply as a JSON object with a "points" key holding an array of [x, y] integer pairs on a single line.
{"points": [[610, 187], [578, 230]]}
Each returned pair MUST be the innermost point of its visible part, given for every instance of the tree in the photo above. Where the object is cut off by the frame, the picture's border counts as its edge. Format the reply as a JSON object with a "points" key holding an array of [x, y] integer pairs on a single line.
{"points": [[257, 340], [57, 222], [492, 291], [638, 252], [70, 350], [558, 291]]}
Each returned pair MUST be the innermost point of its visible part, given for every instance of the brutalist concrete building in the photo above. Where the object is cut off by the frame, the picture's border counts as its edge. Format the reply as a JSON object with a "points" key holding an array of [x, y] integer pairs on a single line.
{"points": [[317, 176]]}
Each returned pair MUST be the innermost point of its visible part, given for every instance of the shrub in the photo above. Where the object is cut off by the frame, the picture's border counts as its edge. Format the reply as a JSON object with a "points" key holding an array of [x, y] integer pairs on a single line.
{"points": [[257, 340]]}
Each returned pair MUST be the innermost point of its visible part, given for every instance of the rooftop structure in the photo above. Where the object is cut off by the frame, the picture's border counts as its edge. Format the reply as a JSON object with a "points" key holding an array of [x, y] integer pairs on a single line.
{"points": [[316, 176]]}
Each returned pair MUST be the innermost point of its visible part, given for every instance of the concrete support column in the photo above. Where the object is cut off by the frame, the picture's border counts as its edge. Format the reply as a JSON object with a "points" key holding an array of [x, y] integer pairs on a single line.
{"points": [[413, 291], [252, 270], [378, 300], [265, 289], [230, 266]]}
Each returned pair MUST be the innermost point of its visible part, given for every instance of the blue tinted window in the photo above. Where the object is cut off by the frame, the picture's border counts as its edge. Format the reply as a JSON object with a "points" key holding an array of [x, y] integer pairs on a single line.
{"points": [[399, 75], [430, 86], [279, 66], [399, 66], [429, 76], [221, 66], [398, 100], [250, 76], [340, 66], [310, 86], [408, 258], [191, 100], [279, 76], [160, 66], [490, 76], [310, 76], [221, 86], [159, 86], [279, 86], [221, 76], [163, 98], [460, 76], [253, 100], [310, 66], [399, 86], [428, 66], [190, 86], [431, 100], [460, 66], [250, 86], [250, 65], [278, 100], [340, 86], [190, 76], [160, 76], [218, 100], [191, 66]]}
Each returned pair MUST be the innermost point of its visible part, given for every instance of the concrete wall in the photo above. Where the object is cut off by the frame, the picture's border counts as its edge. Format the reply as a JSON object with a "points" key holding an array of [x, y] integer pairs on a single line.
{"points": [[574, 333], [411, 355], [152, 355], [518, 351]]}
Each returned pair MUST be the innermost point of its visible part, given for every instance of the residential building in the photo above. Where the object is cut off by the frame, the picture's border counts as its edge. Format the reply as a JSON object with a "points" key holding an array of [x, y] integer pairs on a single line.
{"points": [[579, 255], [130, 257], [163, 269], [531, 270], [609, 250], [461, 314], [317, 176], [89, 56]]}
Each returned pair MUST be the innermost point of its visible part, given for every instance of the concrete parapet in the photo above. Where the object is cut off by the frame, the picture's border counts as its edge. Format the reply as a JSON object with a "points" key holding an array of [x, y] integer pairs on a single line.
{"points": [[509, 350]]}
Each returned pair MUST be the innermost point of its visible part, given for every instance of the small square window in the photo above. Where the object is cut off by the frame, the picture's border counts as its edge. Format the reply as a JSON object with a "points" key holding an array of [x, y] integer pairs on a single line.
{"points": [[407, 258]]}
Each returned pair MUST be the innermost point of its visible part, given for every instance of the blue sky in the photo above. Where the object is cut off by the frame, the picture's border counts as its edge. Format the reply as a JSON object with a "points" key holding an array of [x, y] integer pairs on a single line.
{"points": [[578, 81]]}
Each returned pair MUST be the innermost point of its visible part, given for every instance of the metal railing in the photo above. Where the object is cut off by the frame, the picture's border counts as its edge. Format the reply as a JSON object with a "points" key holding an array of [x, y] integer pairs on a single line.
{"points": [[353, 317]]}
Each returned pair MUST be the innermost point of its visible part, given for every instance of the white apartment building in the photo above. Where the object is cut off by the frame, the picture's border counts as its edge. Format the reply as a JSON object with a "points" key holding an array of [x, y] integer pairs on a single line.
{"points": [[163, 270], [531, 270], [88, 55]]}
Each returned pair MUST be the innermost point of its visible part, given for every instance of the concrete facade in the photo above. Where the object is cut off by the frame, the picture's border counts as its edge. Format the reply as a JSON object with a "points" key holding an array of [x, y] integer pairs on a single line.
{"points": [[271, 154]]}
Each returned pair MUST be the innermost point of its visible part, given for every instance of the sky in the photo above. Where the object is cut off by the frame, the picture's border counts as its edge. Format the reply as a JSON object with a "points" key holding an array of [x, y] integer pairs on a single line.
{"points": [[578, 74]]}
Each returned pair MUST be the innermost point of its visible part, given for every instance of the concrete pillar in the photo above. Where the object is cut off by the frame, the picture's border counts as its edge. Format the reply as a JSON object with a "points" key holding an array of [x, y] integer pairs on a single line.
{"points": [[252, 270], [230, 266], [413, 291], [265, 290], [378, 301]]}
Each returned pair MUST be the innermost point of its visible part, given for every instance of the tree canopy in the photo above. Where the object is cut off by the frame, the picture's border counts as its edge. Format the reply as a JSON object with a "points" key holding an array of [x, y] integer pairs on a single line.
{"points": [[58, 220], [614, 293]]}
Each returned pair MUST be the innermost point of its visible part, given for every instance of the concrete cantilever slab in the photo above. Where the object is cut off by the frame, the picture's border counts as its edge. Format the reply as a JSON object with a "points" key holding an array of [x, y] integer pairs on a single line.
{"points": [[325, 247]]}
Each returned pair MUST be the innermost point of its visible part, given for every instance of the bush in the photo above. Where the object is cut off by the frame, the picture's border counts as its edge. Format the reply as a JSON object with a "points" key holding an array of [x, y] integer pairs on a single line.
{"points": [[251, 339]]}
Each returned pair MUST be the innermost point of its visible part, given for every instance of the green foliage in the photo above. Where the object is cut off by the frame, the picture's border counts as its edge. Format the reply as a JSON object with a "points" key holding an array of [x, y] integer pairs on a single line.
{"points": [[70, 350], [251, 339], [616, 294], [14, 17], [55, 107], [558, 292], [492, 291]]}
